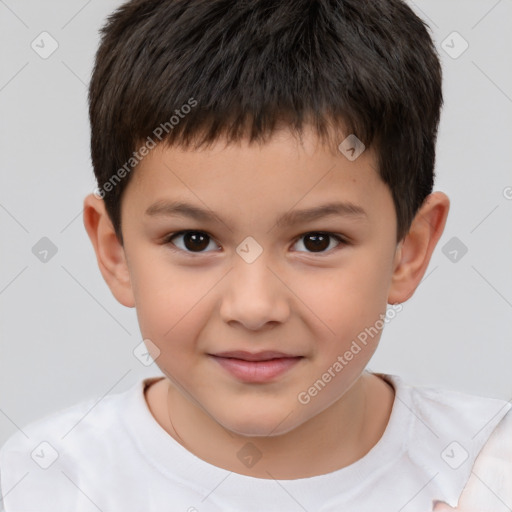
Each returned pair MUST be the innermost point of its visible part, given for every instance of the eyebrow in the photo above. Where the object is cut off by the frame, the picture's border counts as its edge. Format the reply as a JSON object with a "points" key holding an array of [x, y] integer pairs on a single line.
{"points": [[183, 209]]}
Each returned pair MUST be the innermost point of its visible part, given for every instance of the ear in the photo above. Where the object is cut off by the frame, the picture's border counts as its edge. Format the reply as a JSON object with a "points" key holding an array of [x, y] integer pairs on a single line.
{"points": [[109, 250], [415, 250]]}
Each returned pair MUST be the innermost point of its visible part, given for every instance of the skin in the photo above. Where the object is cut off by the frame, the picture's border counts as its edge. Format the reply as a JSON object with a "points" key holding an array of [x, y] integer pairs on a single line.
{"points": [[292, 298], [466, 506], [489, 485]]}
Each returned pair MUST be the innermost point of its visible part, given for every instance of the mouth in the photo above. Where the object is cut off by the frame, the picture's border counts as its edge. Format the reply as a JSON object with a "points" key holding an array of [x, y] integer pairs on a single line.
{"points": [[256, 367]]}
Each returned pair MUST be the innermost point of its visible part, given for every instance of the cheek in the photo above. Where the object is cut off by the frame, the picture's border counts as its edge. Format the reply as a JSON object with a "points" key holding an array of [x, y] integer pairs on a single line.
{"points": [[170, 303], [348, 297], [350, 302]]}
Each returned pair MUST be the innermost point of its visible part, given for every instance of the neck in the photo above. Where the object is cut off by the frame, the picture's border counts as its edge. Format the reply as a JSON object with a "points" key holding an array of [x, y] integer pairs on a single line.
{"points": [[337, 437]]}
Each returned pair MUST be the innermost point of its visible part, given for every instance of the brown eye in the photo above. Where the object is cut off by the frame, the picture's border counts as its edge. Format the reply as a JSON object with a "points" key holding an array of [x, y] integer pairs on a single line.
{"points": [[318, 242], [193, 241]]}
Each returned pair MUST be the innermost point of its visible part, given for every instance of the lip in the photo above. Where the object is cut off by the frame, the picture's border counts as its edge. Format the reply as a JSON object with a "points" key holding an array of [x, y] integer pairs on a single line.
{"points": [[264, 355], [256, 367]]}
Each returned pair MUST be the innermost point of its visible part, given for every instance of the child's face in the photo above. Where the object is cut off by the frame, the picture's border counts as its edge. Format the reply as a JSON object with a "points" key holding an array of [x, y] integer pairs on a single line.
{"points": [[303, 296]]}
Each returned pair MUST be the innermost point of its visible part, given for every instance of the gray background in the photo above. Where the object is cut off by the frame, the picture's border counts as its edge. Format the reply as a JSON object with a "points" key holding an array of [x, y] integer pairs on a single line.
{"points": [[64, 337]]}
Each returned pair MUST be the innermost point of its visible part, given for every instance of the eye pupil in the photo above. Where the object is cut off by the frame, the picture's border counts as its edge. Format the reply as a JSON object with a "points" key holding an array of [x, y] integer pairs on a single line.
{"points": [[193, 240], [318, 241]]}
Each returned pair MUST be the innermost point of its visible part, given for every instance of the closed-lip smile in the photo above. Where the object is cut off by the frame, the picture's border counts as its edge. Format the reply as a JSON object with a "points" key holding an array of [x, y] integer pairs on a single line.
{"points": [[265, 355], [256, 367]]}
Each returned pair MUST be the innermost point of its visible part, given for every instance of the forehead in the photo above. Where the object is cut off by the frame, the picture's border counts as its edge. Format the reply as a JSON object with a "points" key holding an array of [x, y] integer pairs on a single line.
{"points": [[280, 176]]}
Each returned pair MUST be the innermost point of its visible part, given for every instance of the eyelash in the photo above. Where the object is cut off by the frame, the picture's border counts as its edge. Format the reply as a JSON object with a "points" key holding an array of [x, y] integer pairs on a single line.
{"points": [[168, 241]]}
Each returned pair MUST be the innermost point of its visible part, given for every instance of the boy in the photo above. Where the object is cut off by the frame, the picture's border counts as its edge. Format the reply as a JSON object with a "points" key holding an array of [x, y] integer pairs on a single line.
{"points": [[294, 143]]}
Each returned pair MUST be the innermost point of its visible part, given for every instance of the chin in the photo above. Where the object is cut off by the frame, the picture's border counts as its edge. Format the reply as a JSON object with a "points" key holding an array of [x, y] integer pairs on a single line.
{"points": [[260, 425]]}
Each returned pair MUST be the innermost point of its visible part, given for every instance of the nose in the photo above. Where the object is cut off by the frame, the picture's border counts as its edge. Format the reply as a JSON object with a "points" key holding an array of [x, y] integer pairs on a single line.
{"points": [[255, 296]]}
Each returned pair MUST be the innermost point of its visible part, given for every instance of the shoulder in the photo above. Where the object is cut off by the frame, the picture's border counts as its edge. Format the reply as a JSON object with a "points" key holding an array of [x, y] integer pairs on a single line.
{"points": [[447, 428], [498, 448], [504, 428], [39, 453], [452, 412], [60, 424]]}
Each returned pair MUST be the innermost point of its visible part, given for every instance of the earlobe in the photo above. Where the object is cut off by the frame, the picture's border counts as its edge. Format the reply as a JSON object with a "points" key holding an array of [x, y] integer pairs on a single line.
{"points": [[415, 250], [109, 251]]}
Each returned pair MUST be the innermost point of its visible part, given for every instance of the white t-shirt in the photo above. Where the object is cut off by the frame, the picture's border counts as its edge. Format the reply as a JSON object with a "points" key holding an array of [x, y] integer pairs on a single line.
{"points": [[111, 455]]}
